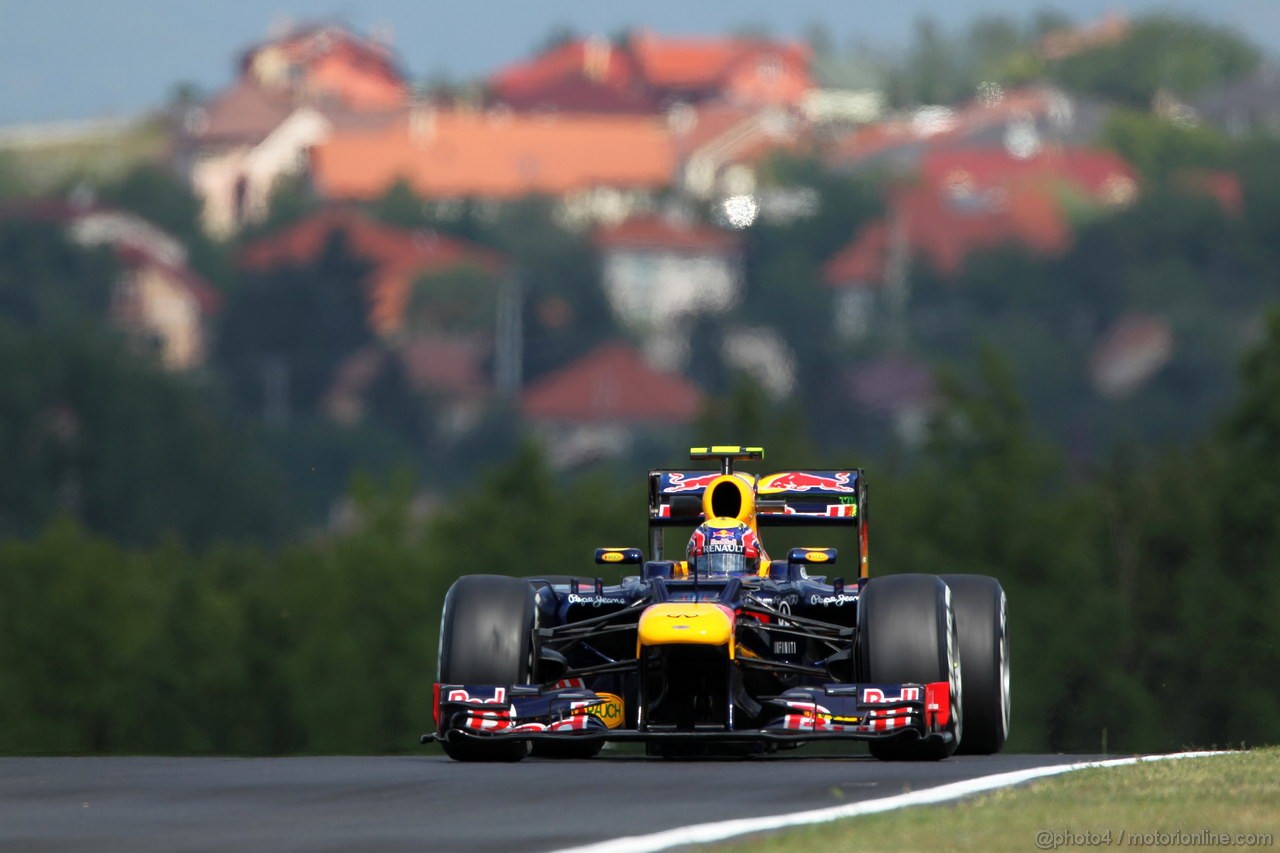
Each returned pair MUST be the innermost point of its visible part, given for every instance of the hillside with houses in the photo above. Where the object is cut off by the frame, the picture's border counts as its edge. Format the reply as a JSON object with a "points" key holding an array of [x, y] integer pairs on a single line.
{"points": [[605, 240]]}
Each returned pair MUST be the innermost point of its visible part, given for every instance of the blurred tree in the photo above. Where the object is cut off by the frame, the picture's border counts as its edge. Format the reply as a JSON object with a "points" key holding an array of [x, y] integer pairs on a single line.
{"points": [[89, 430], [461, 299], [565, 311], [402, 207], [284, 332], [521, 521], [988, 497], [45, 280], [1179, 55], [1159, 148], [12, 184]]}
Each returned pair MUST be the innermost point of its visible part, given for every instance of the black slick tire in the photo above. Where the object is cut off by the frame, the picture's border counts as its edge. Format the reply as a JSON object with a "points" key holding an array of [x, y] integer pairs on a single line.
{"points": [[907, 634], [982, 627], [486, 637]]}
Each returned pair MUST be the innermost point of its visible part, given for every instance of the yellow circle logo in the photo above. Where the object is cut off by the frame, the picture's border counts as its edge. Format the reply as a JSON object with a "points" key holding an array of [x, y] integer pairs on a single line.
{"points": [[612, 556], [816, 556]]}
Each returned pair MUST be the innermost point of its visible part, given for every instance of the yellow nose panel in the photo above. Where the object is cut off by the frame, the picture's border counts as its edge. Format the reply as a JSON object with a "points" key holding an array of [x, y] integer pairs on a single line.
{"points": [[687, 623]]}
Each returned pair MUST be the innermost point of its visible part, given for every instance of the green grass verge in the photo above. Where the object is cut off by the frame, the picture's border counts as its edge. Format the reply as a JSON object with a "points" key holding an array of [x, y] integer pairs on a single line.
{"points": [[1227, 795]]}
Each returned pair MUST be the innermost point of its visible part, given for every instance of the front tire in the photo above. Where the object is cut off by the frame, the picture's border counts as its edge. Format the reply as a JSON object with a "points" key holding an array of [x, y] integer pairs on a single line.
{"points": [[907, 635], [486, 637], [982, 626]]}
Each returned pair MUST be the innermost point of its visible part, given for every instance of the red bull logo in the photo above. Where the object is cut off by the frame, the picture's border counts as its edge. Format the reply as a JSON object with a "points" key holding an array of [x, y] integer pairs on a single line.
{"points": [[678, 481], [806, 481]]}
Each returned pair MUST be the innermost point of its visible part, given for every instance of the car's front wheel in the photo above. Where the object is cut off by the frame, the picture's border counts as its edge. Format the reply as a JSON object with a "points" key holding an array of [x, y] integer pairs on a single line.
{"points": [[486, 637], [907, 635]]}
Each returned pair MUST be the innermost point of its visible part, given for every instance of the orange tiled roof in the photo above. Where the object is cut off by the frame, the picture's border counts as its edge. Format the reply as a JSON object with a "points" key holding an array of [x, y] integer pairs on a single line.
{"points": [[1093, 171], [701, 63], [398, 256], [456, 154], [587, 73], [645, 71], [945, 229], [611, 384], [328, 62], [977, 198]]}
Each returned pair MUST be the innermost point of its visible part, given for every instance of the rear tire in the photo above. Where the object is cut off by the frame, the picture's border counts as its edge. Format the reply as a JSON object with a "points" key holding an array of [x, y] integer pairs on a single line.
{"points": [[486, 637], [982, 626], [907, 634]]}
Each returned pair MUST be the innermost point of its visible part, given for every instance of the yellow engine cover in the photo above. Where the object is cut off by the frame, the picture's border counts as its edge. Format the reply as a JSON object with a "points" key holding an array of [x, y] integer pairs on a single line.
{"points": [[697, 623]]}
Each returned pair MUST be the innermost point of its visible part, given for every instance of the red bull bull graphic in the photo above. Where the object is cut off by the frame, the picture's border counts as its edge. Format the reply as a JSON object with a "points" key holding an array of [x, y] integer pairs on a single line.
{"points": [[832, 482], [677, 482]]}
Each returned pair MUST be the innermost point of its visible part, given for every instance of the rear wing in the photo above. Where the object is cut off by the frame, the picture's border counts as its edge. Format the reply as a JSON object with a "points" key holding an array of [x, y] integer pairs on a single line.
{"points": [[787, 498], [802, 498]]}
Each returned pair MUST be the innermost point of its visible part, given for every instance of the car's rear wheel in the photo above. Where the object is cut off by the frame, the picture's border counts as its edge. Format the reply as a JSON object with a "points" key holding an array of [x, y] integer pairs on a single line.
{"points": [[982, 627], [486, 637], [907, 635]]}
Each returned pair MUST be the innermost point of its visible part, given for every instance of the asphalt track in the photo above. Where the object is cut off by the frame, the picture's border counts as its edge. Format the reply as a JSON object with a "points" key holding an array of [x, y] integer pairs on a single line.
{"points": [[426, 802]]}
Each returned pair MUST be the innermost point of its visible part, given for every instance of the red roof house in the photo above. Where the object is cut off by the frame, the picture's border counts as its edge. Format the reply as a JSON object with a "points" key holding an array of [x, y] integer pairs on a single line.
{"points": [[157, 298], [289, 95], [611, 385], [399, 256], [646, 73], [970, 199], [454, 154], [657, 272], [327, 63]]}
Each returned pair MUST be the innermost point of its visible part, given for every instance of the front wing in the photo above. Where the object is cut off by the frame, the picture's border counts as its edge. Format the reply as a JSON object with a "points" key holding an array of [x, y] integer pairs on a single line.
{"points": [[830, 712]]}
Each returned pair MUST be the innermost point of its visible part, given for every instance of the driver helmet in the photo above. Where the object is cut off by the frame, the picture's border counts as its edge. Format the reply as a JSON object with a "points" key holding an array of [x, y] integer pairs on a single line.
{"points": [[724, 547]]}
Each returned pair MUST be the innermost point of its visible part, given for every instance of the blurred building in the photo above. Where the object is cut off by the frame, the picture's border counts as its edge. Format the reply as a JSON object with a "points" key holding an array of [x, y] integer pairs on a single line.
{"points": [[645, 73], [158, 300], [398, 256], [595, 407], [436, 357], [1022, 121], [962, 201], [605, 164], [660, 271], [290, 94]]}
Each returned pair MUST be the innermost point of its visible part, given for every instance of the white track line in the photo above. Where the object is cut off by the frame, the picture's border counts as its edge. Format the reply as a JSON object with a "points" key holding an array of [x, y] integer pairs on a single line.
{"points": [[702, 833]]}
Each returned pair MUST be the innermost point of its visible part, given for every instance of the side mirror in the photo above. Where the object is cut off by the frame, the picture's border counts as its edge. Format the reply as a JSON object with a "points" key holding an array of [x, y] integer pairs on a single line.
{"points": [[812, 556], [619, 556]]}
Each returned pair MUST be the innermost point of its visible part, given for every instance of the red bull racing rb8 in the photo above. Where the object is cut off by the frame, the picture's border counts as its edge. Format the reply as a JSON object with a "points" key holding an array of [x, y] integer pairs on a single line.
{"points": [[722, 648]]}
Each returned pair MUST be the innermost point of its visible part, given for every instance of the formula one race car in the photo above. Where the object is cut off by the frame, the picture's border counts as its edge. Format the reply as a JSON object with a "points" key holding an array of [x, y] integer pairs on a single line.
{"points": [[726, 650]]}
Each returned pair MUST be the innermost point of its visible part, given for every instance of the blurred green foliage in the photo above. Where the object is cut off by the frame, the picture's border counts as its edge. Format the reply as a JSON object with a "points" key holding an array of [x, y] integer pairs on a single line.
{"points": [[1140, 602], [148, 605]]}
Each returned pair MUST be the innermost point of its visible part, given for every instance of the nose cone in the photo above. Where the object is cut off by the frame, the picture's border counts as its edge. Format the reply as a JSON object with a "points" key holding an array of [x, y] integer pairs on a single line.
{"points": [[687, 623]]}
